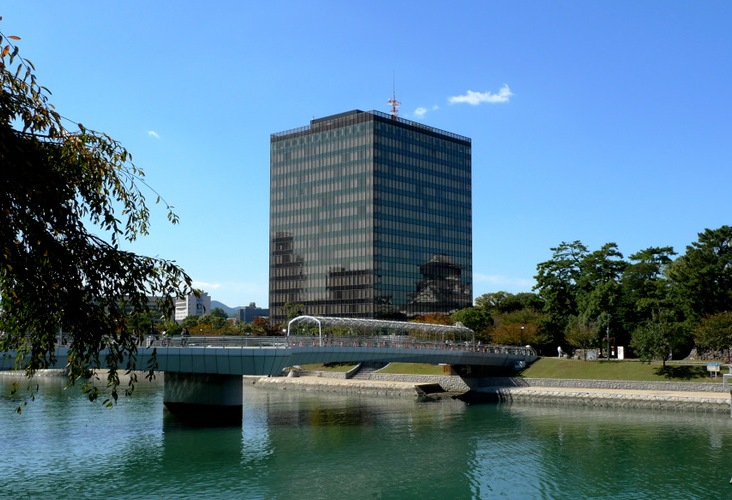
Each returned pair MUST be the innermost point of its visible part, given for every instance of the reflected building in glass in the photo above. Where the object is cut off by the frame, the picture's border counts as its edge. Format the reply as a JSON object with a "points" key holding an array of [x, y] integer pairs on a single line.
{"points": [[370, 217]]}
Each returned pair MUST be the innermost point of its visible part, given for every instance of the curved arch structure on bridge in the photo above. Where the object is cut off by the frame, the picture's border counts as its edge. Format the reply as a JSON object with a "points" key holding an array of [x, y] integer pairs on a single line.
{"points": [[375, 327]]}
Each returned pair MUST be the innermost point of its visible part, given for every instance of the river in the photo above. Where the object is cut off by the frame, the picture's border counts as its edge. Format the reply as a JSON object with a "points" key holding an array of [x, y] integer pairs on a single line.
{"points": [[313, 445]]}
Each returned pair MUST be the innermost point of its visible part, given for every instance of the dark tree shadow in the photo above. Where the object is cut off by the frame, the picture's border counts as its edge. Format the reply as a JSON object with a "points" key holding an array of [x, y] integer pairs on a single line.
{"points": [[682, 372]]}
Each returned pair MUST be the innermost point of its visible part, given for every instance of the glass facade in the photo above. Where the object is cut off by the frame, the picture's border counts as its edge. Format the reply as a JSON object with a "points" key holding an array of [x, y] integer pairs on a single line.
{"points": [[370, 217]]}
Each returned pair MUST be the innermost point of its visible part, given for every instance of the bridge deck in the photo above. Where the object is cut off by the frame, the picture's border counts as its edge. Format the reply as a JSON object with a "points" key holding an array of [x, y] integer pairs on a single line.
{"points": [[270, 355]]}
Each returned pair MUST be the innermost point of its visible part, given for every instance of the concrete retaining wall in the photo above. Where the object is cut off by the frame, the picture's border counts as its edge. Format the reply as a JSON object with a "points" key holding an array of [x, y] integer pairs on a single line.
{"points": [[597, 393], [616, 400], [340, 386], [450, 383], [598, 384]]}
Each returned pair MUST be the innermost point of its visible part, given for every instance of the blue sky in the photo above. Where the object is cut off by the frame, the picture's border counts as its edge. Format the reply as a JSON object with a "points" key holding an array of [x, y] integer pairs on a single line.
{"points": [[598, 121]]}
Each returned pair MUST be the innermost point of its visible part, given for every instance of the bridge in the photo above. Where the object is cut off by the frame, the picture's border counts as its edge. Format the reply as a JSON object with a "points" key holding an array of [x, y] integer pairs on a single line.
{"points": [[206, 372]]}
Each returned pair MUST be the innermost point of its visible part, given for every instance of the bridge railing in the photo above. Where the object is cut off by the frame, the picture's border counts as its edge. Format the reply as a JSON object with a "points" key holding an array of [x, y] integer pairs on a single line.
{"points": [[391, 342]]}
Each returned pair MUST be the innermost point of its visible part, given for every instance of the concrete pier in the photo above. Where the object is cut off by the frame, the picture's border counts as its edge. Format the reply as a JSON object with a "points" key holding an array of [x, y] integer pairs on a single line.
{"points": [[207, 396]]}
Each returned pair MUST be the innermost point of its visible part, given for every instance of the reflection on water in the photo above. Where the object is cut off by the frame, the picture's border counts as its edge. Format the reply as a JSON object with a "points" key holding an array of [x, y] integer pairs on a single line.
{"points": [[313, 445], [620, 454]]}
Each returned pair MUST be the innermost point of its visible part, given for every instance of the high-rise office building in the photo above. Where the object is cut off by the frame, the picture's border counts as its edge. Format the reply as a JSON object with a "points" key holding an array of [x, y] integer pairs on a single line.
{"points": [[370, 217]]}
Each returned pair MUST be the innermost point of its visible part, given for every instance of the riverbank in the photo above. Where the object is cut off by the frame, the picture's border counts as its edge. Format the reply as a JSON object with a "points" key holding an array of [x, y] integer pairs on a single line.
{"points": [[341, 386], [654, 399], [669, 396], [673, 396]]}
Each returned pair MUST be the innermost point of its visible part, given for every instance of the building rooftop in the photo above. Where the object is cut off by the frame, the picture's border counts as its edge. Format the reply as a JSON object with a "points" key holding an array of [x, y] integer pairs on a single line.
{"points": [[357, 116]]}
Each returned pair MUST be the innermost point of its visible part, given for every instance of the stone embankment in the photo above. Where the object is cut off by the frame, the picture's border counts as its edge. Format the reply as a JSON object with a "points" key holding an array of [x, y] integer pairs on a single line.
{"points": [[618, 398], [340, 386], [678, 396], [674, 396]]}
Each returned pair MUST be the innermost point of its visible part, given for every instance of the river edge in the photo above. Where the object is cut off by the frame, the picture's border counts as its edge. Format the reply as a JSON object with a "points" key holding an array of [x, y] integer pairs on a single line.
{"points": [[666, 396]]}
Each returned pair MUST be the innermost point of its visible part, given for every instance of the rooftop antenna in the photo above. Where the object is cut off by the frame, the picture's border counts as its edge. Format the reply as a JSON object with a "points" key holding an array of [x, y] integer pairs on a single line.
{"points": [[393, 101]]}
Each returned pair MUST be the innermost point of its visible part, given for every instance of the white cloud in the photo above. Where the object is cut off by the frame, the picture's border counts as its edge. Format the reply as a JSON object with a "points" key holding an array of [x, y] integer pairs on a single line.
{"points": [[153, 134], [421, 111], [206, 286], [475, 98]]}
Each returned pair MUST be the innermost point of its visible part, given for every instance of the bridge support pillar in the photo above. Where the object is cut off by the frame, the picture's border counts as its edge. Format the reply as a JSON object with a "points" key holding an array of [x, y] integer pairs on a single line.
{"points": [[211, 398]]}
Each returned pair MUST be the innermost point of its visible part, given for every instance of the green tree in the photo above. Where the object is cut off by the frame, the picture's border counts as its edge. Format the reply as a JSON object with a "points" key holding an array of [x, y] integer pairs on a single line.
{"points": [[60, 188], [293, 310], [557, 284], [215, 320], [701, 279], [477, 319], [645, 288], [515, 319], [190, 322], [519, 327], [217, 312], [582, 284], [715, 333], [581, 334], [504, 302], [599, 295], [658, 339]]}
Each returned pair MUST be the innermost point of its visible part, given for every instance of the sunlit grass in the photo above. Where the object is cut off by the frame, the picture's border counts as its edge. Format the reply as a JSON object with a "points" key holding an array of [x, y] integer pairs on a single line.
{"points": [[566, 369], [618, 370], [413, 369], [331, 367]]}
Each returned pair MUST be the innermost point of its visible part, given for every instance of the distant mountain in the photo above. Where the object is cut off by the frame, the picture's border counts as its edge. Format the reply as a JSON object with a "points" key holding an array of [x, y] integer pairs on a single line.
{"points": [[230, 311]]}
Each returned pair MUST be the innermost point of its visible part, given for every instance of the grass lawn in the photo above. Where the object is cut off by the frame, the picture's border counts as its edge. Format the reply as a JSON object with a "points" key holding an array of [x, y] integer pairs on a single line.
{"points": [[619, 370], [569, 369], [334, 367], [413, 369]]}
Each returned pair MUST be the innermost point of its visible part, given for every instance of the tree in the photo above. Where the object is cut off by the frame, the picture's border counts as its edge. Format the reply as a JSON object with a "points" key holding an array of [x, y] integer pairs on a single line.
{"points": [[701, 279], [645, 289], [581, 334], [507, 318], [215, 320], [599, 294], [557, 285], [293, 310], [260, 326], [658, 339], [59, 189], [583, 285], [434, 319], [477, 319], [505, 302], [715, 332], [516, 332]]}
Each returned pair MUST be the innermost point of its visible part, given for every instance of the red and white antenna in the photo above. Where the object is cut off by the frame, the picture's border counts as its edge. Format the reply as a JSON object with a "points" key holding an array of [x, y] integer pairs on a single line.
{"points": [[393, 101]]}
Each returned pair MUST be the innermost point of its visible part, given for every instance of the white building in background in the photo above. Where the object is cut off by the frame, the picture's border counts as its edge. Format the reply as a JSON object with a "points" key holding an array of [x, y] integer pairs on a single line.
{"points": [[192, 306]]}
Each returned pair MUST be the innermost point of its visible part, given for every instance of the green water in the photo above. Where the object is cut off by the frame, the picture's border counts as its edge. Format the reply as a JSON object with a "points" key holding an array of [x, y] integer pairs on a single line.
{"points": [[311, 445]]}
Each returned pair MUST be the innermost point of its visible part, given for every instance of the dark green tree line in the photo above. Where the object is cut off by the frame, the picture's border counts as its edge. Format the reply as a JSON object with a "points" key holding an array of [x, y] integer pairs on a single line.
{"points": [[651, 302]]}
